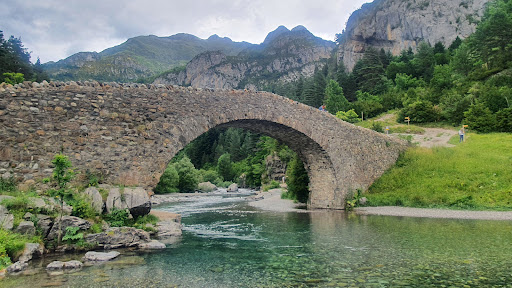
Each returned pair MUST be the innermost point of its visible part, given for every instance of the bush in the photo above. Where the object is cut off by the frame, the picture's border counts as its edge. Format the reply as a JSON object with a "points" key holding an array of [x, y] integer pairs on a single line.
{"points": [[504, 120], [169, 181], [350, 116], [82, 207], [12, 245], [117, 217], [377, 126], [480, 118], [209, 176], [7, 185], [420, 112], [272, 185]]}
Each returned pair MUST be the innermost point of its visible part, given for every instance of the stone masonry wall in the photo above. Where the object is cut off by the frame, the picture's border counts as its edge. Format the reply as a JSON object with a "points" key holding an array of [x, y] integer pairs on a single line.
{"points": [[129, 132]]}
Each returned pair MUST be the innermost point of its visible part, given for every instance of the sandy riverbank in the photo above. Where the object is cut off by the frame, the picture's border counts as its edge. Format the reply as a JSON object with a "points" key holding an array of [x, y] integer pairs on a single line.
{"points": [[434, 213], [271, 201]]}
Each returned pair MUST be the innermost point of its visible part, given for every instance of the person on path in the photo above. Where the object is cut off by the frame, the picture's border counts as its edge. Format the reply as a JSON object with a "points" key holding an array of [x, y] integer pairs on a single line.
{"points": [[461, 135]]}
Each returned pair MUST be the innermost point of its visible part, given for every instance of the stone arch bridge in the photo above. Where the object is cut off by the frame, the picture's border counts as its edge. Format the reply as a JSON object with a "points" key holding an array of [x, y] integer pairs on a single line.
{"points": [[130, 132]]}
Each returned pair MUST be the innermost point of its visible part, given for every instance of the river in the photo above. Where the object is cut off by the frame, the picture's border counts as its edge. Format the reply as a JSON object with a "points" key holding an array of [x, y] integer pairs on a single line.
{"points": [[227, 243]]}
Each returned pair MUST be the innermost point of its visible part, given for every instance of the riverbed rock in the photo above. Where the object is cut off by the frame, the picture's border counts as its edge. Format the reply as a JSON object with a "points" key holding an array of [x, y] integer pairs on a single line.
{"points": [[96, 200], [59, 265], [117, 237], [17, 267], [26, 228], [44, 223], [168, 229], [137, 201], [206, 187], [233, 188], [153, 245], [6, 219], [32, 251], [67, 221], [100, 256]]}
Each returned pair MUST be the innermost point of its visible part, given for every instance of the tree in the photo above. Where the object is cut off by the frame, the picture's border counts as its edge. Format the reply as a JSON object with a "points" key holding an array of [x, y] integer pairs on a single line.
{"points": [[169, 181], [480, 118], [61, 176], [225, 167], [297, 180], [335, 100], [188, 175], [13, 78], [370, 73]]}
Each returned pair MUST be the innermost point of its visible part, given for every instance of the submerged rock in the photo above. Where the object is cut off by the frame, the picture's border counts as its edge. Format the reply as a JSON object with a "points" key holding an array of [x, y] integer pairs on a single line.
{"points": [[153, 245], [100, 256], [32, 251], [17, 267], [59, 265]]}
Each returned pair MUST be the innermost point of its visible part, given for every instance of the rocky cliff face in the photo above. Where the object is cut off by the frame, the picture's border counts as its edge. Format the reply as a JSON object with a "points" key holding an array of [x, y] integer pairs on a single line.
{"points": [[396, 25], [284, 56]]}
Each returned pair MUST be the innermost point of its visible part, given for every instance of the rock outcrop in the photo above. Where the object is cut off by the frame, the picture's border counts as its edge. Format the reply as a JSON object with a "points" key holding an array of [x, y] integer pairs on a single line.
{"points": [[276, 169], [32, 251], [118, 237], [6, 218], [96, 200], [397, 25], [284, 56], [67, 221], [26, 228], [136, 200]]}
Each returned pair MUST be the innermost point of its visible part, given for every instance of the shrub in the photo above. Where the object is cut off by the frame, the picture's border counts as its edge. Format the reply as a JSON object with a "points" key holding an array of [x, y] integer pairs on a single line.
{"points": [[117, 217], [72, 236], [420, 112], [504, 120], [82, 207], [168, 181], [480, 118], [7, 185], [349, 116], [272, 185], [12, 244]]}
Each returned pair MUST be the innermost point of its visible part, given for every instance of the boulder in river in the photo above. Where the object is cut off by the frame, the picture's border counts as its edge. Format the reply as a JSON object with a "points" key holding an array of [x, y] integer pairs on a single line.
{"points": [[59, 265], [117, 237], [233, 188], [206, 187], [100, 256], [32, 251]]}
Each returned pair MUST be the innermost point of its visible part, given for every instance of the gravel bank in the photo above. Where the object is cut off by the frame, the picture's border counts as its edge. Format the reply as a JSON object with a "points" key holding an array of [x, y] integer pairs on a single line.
{"points": [[434, 213], [271, 201]]}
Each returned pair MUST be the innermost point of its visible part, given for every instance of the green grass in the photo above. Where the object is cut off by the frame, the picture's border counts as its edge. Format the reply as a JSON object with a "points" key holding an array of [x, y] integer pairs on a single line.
{"points": [[392, 123], [475, 175]]}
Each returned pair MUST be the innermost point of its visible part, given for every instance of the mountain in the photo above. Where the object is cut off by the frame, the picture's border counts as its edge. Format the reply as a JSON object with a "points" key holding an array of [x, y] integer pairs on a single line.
{"points": [[284, 56], [139, 57], [397, 25]]}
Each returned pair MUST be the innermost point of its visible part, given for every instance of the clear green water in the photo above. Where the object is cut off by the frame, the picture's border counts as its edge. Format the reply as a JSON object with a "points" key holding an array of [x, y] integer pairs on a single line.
{"points": [[227, 244]]}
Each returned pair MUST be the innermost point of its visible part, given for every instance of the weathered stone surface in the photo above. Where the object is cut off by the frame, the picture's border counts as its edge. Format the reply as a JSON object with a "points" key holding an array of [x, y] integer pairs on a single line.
{"points": [[100, 256], [115, 200], [96, 199], [137, 201], [117, 237], [338, 156], [153, 245], [233, 188], [6, 219], [48, 204], [26, 228], [32, 251], [206, 187], [67, 221], [398, 25], [59, 265], [44, 223], [3, 197], [168, 229], [17, 267]]}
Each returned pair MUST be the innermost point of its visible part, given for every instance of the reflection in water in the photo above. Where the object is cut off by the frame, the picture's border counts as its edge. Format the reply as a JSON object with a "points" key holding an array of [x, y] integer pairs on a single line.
{"points": [[228, 244]]}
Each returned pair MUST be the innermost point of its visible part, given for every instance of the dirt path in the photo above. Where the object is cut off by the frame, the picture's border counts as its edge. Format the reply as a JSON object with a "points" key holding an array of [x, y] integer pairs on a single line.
{"points": [[433, 137]]}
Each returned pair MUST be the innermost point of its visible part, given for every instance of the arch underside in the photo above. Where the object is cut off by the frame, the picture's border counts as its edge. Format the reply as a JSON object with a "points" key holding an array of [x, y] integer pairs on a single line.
{"points": [[324, 190]]}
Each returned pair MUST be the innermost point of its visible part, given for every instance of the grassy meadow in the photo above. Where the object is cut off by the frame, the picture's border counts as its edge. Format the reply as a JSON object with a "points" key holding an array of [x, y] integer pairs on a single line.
{"points": [[476, 174]]}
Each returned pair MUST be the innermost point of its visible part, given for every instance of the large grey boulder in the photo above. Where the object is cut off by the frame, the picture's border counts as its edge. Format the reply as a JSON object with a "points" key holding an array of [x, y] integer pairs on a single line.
{"points": [[32, 251], [117, 237], [100, 256], [168, 229], [96, 200], [115, 200], [137, 200], [134, 199], [6, 219], [233, 188], [206, 187], [48, 204], [67, 221], [26, 228]]}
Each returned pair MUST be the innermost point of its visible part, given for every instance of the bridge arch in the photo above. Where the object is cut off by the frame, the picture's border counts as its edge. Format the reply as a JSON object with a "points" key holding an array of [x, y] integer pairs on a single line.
{"points": [[130, 132]]}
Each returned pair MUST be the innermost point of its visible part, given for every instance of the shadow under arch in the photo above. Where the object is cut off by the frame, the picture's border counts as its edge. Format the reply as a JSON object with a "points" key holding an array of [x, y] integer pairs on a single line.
{"points": [[316, 160]]}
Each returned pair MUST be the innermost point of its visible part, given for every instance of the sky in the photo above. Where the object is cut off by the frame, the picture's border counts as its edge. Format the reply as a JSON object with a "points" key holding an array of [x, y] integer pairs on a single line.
{"points": [[55, 29]]}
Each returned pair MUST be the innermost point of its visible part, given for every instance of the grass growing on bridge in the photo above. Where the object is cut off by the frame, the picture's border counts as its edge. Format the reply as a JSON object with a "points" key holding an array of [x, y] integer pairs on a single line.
{"points": [[476, 174]]}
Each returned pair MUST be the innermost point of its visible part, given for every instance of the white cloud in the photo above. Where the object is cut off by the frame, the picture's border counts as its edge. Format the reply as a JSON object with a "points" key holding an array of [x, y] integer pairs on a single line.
{"points": [[55, 29]]}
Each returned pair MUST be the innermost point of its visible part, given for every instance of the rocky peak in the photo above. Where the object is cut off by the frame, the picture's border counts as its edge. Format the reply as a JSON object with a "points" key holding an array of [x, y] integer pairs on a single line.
{"points": [[396, 25], [274, 34]]}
